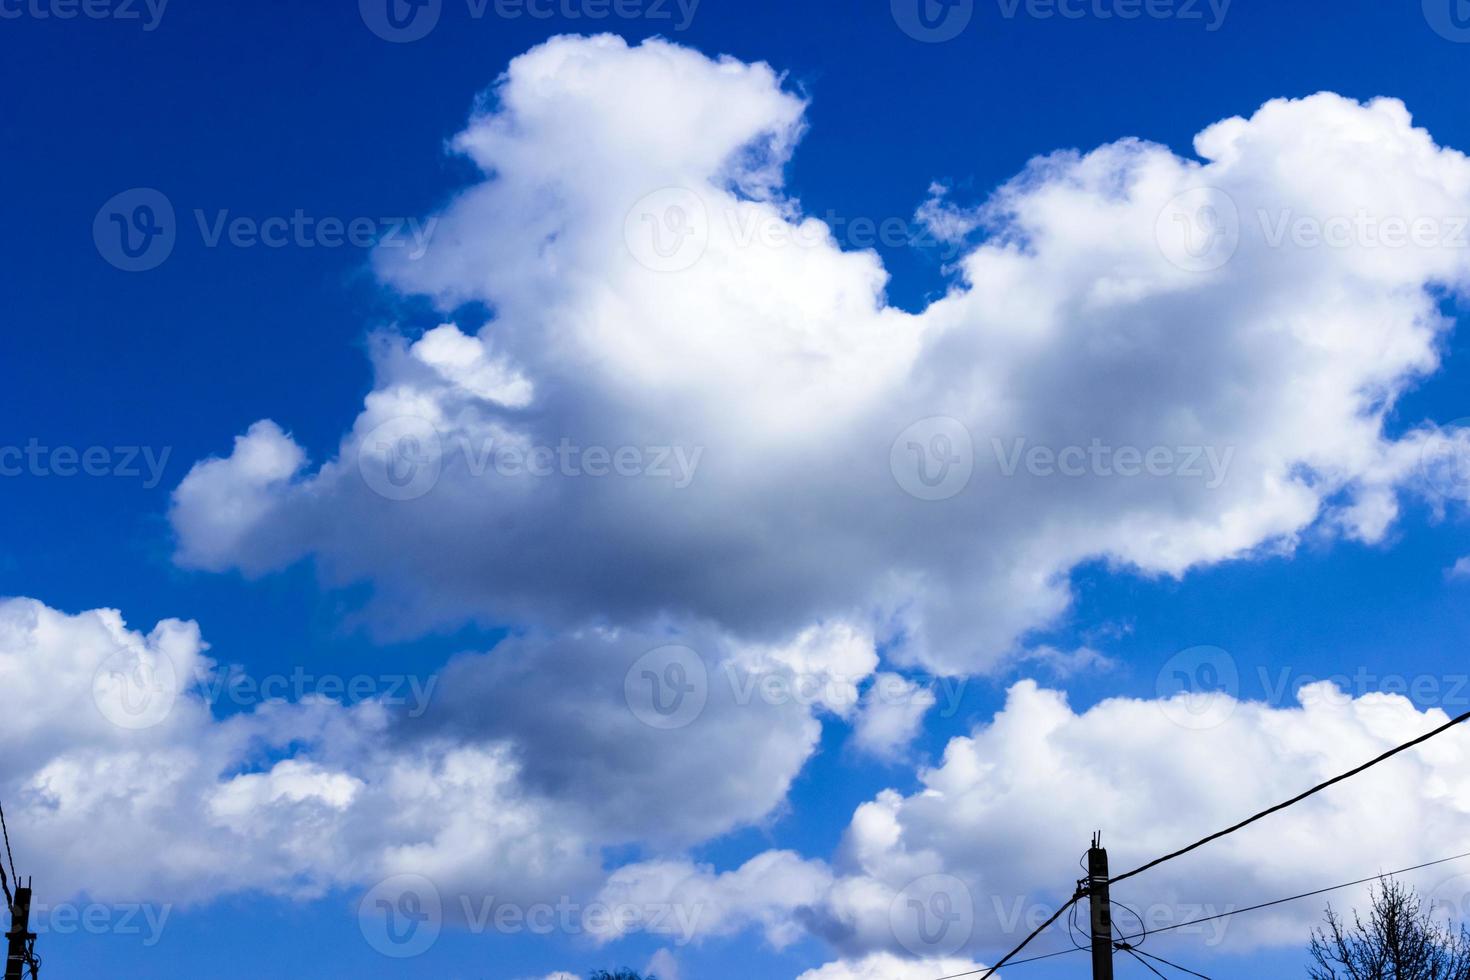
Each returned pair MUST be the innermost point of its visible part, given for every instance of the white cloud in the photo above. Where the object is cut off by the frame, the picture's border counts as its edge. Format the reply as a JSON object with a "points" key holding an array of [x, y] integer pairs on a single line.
{"points": [[532, 759], [663, 965], [892, 715], [693, 902], [1255, 390], [1459, 570], [886, 966]]}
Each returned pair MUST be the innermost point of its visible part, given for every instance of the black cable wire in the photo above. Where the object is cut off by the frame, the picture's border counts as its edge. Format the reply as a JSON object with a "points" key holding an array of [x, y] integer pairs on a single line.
{"points": [[1143, 936], [6, 829], [1072, 930], [1032, 959], [1293, 801], [1312, 894], [1129, 950], [1024, 943], [1182, 969], [5, 884]]}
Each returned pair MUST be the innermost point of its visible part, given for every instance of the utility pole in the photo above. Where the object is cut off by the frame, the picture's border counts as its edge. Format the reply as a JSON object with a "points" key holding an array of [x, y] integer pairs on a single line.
{"points": [[21, 950], [1102, 910]]}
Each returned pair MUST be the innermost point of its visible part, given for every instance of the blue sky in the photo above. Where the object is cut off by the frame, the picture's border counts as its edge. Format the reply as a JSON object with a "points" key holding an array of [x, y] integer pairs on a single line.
{"points": [[272, 110]]}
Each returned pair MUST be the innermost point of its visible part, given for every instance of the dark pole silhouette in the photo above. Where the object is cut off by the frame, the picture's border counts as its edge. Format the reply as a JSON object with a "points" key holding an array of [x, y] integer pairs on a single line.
{"points": [[1102, 911], [21, 951]]}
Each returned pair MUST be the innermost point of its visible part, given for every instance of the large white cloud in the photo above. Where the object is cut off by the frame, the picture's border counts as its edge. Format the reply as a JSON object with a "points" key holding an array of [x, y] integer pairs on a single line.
{"points": [[124, 784], [652, 291], [509, 780]]}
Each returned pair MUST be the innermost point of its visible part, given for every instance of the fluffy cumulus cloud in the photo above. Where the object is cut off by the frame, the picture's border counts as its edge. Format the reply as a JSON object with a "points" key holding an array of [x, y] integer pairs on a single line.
{"points": [[690, 400], [977, 856], [525, 763], [891, 715], [113, 729], [886, 966]]}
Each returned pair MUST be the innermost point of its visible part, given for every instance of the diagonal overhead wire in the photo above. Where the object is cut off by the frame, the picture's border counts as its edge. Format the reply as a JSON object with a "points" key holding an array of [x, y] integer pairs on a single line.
{"points": [[1140, 953], [987, 972], [8, 855], [4, 883], [1293, 801], [1134, 953], [1312, 894]]}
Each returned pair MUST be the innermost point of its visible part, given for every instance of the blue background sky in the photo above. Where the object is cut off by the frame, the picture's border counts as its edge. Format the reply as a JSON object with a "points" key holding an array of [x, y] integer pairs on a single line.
{"points": [[268, 107]]}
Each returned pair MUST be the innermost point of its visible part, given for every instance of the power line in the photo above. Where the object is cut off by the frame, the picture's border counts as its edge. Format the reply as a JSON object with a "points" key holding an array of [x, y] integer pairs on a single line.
{"points": [[6, 830], [1038, 931], [1140, 953], [1293, 801], [4, 882], [1134, 953], [1312, 894], [1195, 922]]}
